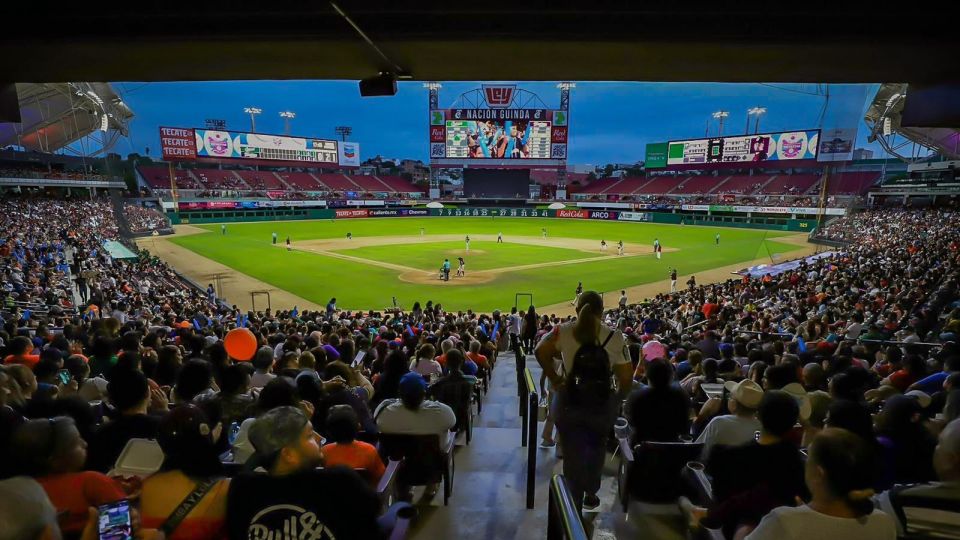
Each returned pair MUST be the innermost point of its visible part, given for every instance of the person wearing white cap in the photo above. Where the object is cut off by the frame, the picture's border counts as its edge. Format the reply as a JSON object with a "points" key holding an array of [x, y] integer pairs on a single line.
{"points": [[741, 425]]}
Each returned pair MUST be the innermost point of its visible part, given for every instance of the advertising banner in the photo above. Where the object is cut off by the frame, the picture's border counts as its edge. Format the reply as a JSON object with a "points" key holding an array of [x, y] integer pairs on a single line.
{"points": [[574, 214], [634, 216], [837, 144], [349, 155], [240, 145], [603, 214], [399, 212], [786, 146], [177, 144], [656, 155], [340, 214]]}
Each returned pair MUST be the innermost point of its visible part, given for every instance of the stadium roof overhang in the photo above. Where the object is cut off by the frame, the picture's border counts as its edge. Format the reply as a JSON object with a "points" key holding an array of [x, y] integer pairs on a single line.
{"points": [[57, 116], [884, 115], [696, 40]]}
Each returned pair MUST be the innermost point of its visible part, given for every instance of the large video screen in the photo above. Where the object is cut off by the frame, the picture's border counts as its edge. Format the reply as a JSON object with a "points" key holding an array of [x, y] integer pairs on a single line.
{"points": [[786, 146], [190, 143], [498, 134], [230, 144], [490, 183]]}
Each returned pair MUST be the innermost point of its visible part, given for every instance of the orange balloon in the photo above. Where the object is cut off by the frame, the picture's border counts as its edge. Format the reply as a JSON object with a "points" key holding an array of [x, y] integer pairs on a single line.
{"points": [[240, 344]]}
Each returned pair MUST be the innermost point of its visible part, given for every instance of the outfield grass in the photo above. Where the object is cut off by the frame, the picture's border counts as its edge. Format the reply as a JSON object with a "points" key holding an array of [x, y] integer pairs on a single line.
{"points": [[316, 277]]}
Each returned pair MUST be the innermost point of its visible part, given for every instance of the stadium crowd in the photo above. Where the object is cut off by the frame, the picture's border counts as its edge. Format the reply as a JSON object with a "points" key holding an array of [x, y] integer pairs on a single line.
{"points": [[145, 356], [143, 219]]}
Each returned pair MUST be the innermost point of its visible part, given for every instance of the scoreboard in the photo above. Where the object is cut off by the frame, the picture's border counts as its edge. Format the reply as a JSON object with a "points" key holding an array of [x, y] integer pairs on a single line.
{"points": [[498, 134]]}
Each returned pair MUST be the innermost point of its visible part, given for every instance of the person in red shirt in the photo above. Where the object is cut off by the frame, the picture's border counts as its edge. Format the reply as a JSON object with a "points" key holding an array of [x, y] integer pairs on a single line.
{"points": [[914, 369], [345, 450], [52, 451], [475, 355], [20, 349]]}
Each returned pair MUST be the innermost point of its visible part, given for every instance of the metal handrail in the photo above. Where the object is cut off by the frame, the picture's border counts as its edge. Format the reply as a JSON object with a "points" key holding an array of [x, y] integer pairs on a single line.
{"points": [[563, 518], [530, 435]]}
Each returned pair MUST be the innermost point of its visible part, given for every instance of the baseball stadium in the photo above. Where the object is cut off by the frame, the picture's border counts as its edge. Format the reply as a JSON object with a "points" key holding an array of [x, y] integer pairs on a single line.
{"points": [[573, 293]]}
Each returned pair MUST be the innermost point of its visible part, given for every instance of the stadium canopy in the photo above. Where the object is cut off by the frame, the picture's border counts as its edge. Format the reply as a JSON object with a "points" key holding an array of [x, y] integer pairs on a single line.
{"points": [[884, 117], [83, 119], [560, 40]]}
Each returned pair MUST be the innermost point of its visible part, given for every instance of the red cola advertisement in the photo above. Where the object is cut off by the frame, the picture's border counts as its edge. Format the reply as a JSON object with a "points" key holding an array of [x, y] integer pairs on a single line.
{"points": [[576, 214]]}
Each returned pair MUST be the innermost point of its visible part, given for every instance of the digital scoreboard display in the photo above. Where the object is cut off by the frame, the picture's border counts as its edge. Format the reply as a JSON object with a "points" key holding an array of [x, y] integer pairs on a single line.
{"points": [[786, 146], [498, 134]]}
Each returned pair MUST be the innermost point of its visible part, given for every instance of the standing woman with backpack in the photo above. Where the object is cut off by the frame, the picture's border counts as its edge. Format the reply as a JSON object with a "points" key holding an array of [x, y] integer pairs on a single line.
{"points": [[585, 403]]}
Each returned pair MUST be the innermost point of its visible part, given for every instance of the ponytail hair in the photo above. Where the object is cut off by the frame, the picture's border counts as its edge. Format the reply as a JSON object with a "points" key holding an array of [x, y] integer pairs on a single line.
{"points": [[589, 311], [848, 465]]}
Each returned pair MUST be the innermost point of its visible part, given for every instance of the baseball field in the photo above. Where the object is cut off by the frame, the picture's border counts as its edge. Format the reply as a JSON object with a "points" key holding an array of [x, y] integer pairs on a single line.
{"points": [[402, 258]]}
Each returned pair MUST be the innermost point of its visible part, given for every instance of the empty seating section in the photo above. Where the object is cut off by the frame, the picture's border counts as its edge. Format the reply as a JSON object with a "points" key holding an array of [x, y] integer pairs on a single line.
{"points": [[261, 180], [790, 184], [850, 183], [743, 184], [698, 185], [216, 179], [159, 178], [599, 186], [661, 184], [337, 182], [628, 185], [301, 181], [370, 183], [399, 184]]}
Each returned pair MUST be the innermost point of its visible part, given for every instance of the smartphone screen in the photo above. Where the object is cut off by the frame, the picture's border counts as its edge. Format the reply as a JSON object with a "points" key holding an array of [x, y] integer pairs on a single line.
{"points": [[64, 376], [358, 360], [115, 522]]}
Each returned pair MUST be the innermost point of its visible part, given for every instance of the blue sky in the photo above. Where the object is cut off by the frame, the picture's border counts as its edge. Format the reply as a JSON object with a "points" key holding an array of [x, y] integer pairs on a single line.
{"points": [[609, 122]]}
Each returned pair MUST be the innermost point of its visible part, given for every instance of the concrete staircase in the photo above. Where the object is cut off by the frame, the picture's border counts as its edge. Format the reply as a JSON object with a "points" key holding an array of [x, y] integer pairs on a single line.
{"points": [[489, 486]]}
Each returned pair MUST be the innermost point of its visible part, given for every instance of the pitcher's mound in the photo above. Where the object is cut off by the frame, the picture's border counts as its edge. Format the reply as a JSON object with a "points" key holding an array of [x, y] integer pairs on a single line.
{"points": [[433, 278], [465, 253]]}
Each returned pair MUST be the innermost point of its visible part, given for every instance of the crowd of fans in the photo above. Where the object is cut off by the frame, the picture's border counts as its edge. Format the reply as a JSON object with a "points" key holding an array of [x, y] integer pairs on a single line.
{"points": [[863, 342], [144, 356], [143, 219], [57, 175]]}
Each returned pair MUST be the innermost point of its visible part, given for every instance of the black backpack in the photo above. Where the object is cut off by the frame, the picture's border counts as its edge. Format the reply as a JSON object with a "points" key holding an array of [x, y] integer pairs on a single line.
{"points": [[588, 384]]}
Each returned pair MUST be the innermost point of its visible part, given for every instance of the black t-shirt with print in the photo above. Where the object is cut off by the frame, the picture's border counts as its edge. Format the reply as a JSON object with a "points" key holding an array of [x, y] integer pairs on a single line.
{"points": [[323, 504]]}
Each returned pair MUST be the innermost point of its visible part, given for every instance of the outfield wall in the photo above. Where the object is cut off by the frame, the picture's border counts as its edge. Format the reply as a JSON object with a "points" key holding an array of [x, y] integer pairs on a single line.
{"points": [[778, 222]]}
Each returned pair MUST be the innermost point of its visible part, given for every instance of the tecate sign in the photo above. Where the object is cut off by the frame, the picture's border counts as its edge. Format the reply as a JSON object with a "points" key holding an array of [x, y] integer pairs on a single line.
{"points": [[352, 213], [577, 214]]}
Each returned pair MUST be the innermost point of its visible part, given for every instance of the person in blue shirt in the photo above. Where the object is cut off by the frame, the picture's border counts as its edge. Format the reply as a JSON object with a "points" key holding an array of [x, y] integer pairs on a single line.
{"points": [[932, 384], [446, 269]]}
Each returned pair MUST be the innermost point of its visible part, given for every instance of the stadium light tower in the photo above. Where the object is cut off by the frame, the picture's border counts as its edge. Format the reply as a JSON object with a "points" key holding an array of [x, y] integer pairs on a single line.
{"points": [[253, 112], [287, 117], [758, 112], [720, 115], [343, 132]]}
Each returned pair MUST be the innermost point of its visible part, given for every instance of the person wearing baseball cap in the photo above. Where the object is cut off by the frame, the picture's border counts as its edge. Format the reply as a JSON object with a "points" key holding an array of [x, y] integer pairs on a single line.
{"points": [[413, 414], [741, 424], [334, 500]]}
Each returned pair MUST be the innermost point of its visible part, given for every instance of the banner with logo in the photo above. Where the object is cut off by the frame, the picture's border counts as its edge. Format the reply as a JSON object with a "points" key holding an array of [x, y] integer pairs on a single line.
{"points": [[635, 216], [349, 155], [603, 214], [177, 144], [656, 155], [573, 214], [341, 214]]}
